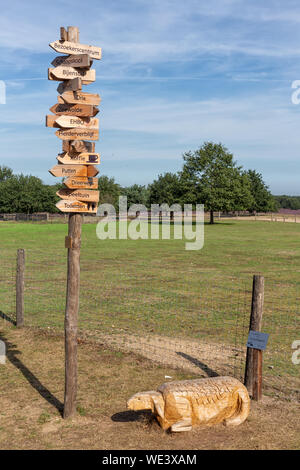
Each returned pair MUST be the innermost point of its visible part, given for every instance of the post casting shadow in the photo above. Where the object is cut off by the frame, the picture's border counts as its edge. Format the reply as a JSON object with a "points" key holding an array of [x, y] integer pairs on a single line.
{"points": [[11, 354], [201, 365], [7, 318]]}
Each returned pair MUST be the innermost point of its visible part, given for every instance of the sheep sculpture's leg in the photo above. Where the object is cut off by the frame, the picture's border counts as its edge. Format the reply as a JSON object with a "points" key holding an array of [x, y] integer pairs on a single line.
{"points": [[183, 425], [243, 408], [183, 408]]}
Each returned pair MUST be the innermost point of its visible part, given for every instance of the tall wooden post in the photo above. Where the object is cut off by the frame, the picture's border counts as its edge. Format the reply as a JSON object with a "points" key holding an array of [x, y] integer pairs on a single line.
{"points": [[76, 165], [20, 288], [71, 317], [253, 369]]}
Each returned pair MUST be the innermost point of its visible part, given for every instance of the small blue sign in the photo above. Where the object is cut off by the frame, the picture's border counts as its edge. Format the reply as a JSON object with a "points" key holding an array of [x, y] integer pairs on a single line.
{"points": [[257, 340]]}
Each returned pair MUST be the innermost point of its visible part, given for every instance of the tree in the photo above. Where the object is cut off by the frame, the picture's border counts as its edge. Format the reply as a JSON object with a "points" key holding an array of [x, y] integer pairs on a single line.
{"points": [[5, 173], [136, 194], [26, 194], [109, 190], [166, 189], [262, 199], [210, 176]]}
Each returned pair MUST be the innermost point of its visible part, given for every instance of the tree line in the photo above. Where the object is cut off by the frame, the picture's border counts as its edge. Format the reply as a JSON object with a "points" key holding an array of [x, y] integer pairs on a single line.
{"points": [[209, 176]]}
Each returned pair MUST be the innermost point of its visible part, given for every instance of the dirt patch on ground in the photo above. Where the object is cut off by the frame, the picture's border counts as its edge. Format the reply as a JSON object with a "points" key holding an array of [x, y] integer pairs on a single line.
{"points": [[32, 389]]}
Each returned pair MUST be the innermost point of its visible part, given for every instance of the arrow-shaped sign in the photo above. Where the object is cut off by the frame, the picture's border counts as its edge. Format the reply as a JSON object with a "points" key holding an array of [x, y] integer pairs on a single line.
{"points": [[72, 85], [67, 73], [68, 109], [79, 158], [76, 206], [69, 170], [79, 194], [79, 97], [51, 121], [81, 60], [77, 134], [77, 122], [66, 47], [81, 182]]}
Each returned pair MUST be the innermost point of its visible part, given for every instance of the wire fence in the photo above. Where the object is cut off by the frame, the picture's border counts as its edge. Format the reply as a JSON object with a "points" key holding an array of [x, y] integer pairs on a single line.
{"points": [[188, 319]]}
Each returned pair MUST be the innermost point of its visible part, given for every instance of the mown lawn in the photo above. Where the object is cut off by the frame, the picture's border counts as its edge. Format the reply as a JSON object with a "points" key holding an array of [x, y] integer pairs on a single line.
{"points": [[157, 287]]}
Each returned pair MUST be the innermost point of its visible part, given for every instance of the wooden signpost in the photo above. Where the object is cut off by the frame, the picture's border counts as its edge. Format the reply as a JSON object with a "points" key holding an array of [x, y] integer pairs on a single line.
{"points": [[73, 116], [79, 97], [77, 134], [79, 158], [67, 47], [82, 182], [81, 60], [77, 122], [67, 73], [73, 109]]}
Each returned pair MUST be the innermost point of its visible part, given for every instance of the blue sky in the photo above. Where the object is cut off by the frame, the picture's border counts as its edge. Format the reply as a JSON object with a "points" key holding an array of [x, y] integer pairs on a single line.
{"points": [[173, 75]]}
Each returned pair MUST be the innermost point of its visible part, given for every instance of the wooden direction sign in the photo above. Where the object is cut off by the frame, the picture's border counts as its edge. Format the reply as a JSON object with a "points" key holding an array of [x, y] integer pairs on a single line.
{"points": [[79, 158], [81, 182], [75, 84], [68, 170], [79, 194], [77, 134], [69, 109], [73, 170], [76, 206], [77, 122], [67, 73], [79, 97], [81, 60], [66, 47], [51, 121]]}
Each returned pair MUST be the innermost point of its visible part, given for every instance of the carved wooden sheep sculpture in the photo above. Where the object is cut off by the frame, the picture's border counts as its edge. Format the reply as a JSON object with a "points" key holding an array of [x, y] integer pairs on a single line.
{"points": [[180, 405]]}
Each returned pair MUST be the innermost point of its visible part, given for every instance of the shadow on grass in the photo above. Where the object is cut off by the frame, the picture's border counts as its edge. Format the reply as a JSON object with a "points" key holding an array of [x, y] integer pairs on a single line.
{"points": [[201, 365], [7, 318], [11, 355], [129, 416]]}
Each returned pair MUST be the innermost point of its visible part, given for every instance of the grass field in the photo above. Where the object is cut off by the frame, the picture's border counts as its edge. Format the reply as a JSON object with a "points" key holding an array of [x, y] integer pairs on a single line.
{"points": [[32, 393], [132, 289]]}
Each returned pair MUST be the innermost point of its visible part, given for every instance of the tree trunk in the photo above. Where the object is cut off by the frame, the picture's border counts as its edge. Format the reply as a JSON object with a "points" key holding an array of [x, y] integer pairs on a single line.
{"points": [[211, 220]]}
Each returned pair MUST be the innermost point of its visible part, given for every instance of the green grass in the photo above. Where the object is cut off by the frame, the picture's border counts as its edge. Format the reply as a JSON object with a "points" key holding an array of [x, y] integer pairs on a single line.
{"points": [[158, 287]]}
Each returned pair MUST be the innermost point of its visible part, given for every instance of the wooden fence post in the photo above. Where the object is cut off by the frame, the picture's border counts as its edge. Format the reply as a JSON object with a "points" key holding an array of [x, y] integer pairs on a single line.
{"points": [[20, 288], [71, 317], [253, 369]]}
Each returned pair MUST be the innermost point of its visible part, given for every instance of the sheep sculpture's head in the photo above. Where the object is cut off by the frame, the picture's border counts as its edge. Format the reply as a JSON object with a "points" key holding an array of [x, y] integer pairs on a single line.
{"points": [[141, 401]]}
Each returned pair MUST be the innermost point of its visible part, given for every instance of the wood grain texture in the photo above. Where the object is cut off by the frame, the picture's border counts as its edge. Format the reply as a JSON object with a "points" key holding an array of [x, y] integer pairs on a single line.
{"points": [[72, 109], [82, 146], [71, 314], [63, 72], [66, 205], [79, 158], [73, 122], [77, 134], [84, 195], [80, 60], [79, 97], [81, 182], [178, 406], [74, 84], [255, 325], [69, 170], [67, 47]]}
